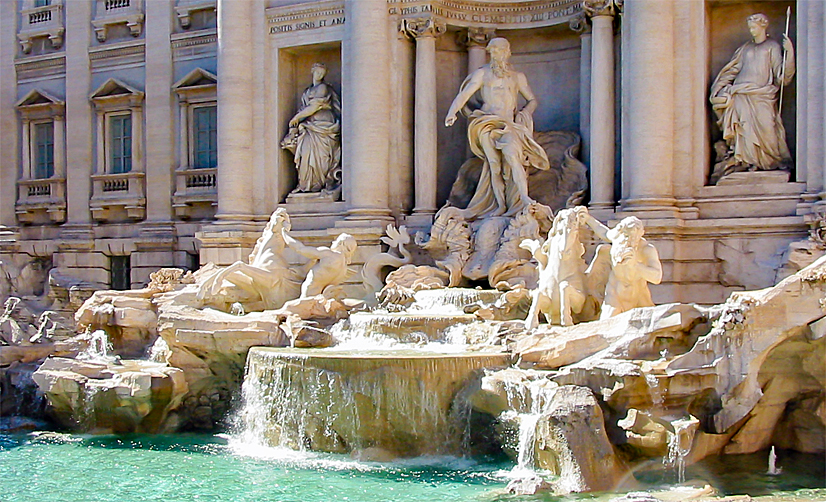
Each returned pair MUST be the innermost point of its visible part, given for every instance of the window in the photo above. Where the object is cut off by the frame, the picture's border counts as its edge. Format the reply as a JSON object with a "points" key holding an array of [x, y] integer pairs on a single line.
{"points": [[42, 3], [120, 273], [120, 134], [205, 132], [43, 150]]}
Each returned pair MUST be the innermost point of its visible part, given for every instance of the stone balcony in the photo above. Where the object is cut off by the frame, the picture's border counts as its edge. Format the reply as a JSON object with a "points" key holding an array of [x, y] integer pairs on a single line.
{"points": [[194, 188], [41, 201], [185, 8], [118, 197], [46, 21], [113, 12]]}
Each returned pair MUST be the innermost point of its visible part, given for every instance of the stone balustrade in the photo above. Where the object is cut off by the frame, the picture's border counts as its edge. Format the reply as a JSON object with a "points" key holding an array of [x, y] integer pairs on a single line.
{"points": [[113, 193], [38, 197], [194, 187], [45, 21], [113, 12]]}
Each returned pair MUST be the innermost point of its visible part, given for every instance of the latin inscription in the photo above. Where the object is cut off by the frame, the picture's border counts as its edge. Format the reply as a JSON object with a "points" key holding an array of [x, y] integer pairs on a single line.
{"points": [[488, 18], [306, 25]]}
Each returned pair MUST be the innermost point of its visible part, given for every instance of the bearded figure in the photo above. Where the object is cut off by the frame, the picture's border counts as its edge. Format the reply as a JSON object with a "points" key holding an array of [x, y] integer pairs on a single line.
{"points": [[633, 263], [500, 134]]}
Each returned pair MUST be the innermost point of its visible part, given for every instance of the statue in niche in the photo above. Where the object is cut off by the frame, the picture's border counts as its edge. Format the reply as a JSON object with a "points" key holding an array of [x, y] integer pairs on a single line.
{"points": [[508, 191], [499, 134], [314, 137], [744, 96]]}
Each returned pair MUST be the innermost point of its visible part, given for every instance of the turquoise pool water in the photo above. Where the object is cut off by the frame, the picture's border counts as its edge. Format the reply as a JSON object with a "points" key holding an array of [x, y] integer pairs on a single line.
{"points": [[49, 467]]}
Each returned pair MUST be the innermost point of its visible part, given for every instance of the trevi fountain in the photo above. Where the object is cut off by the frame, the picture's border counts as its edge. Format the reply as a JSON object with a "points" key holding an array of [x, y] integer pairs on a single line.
{"points": [[510, 350]]}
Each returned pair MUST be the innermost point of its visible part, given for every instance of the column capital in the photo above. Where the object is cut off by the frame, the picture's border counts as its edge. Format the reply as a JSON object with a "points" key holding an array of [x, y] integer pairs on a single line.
{"points": [[594, 8], [476, 37], [422, 27], [580, 24]]}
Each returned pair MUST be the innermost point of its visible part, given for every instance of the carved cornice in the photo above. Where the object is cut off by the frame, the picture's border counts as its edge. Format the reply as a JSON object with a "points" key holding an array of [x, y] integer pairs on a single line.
{"points": [[580, 24], [39, 67], [499, 14], [476, 36], [192, 39], [594, 8], [422, 27], [293, 18]]}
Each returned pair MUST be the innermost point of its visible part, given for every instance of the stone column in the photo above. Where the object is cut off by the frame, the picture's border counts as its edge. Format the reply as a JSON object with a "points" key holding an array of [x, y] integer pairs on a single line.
{"points": [[424, 31], [183, 149], [137, 139], [580, 25], [477, 40], [603, 138], [648, 107], [366, 110], [160, 115], [26, 153], [8, 115], [59, 146], [100, 149], [821, 29], [79, 118], [234, 177]]}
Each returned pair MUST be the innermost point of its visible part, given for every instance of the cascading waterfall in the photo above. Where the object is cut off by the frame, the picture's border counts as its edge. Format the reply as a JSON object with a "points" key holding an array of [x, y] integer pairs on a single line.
{"points": [[98, 349], [534, 398], [654, 390], [679, 446], [451, 301], [392, 403]]}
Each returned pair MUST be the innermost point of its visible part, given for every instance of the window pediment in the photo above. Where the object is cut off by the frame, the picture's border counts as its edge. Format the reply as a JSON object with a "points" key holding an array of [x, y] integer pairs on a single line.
{"points": [[39, 103], [198, 82], [116, 92]]}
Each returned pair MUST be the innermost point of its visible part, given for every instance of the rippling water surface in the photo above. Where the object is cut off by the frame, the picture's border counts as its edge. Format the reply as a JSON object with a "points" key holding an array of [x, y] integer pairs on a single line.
{"points": [[47, 466]]}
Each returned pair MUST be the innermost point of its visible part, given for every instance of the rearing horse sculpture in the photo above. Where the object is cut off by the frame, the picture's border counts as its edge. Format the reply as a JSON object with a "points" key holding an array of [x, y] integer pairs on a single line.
{"points": [[561, 289]]}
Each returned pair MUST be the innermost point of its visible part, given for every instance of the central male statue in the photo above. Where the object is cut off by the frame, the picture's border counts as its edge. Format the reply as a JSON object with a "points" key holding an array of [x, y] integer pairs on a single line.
{"points": [[500, 135]]}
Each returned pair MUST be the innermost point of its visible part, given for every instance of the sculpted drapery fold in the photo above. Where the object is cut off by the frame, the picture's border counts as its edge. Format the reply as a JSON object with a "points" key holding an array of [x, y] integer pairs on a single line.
{"points": [[745, 95]]}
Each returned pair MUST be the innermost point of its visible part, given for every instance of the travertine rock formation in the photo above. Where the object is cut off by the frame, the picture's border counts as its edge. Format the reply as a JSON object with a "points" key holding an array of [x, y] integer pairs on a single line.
{"points": [[131, 396]]}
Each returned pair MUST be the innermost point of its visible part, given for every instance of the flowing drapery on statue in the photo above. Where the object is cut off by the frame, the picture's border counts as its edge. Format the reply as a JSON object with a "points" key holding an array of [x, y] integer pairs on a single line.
{"points": [[485, 135], [314, 137], [744, 97], [499, 135]]}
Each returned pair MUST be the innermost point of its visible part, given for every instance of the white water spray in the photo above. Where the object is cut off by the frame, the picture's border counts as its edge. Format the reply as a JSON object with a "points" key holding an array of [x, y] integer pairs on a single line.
{"points": [[773, 469]]}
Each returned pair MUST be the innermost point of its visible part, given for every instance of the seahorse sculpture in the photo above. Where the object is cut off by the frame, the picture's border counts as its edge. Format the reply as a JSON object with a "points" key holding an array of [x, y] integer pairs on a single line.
{"points": [[396, 239]]}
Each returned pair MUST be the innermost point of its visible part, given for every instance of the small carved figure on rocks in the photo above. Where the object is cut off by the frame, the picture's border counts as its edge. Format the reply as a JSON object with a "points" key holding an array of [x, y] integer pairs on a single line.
{"points": [[745, 95], [561, 289], [633, 263], [499, 134], [314, 136], [266, 280], [328, 265]]}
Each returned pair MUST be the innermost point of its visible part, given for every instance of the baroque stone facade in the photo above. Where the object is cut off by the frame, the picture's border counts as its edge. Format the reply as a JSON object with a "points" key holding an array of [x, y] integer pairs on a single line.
{"points": [[131, 141]]}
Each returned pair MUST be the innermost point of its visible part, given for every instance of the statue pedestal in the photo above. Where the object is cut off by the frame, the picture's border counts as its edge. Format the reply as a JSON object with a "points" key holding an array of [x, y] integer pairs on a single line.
{"points": [[750, 194], [754, 178], [312, 197]]}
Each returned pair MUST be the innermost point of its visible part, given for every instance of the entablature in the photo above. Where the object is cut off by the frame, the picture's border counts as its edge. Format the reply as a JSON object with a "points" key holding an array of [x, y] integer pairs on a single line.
{"points": [[500, 15]]}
